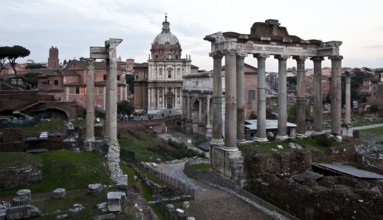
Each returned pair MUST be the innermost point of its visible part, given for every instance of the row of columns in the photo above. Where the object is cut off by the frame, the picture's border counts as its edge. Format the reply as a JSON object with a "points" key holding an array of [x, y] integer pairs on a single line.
{"points": [[110, 125], [187, 115], [234, 98], [154, 97]]}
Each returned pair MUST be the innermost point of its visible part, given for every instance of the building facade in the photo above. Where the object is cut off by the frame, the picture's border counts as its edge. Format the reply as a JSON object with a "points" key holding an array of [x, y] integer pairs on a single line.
{"points": [[53, 59], [69, 83], [165, 71], [197, 93]]}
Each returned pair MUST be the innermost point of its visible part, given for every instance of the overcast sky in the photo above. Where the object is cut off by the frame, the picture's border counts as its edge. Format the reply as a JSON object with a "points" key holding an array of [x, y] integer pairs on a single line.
{"points": [[74, 25]]}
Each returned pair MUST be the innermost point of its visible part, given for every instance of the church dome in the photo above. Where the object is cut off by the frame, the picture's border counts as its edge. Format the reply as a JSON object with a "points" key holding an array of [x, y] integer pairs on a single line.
{"points": [[166, 45], [166, 36]]}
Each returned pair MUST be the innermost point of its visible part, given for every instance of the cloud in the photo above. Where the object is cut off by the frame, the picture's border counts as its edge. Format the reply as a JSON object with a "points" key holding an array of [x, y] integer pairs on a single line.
{"points": [[374, 47]]}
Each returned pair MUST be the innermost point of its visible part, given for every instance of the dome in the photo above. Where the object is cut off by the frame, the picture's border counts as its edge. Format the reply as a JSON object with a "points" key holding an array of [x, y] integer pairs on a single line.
{"points": [[166, 37]]}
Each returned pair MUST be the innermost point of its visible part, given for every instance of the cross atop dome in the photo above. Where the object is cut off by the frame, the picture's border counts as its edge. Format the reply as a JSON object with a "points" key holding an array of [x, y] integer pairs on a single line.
{"points": [[165, 25]]}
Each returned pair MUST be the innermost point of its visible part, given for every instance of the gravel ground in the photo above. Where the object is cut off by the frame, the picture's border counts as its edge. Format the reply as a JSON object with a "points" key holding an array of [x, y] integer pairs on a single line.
{"points": [[211, 203]]}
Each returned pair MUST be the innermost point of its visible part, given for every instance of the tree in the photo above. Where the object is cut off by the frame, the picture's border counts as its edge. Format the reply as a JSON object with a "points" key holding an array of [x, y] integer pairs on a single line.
{"points": [[374, 109], [31, 79], [125, 107], [35, 66], [12, 53], [130, 81], [3, 58], [292, 80]]}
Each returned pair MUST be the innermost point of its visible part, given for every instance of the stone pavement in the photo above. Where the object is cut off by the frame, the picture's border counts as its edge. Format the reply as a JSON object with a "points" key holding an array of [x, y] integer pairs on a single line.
{"points": [[209, 198]]}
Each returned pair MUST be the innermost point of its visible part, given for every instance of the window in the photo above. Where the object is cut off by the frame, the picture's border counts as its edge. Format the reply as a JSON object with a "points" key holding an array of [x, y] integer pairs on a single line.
{"points": [[77, 90], [251, 95], [169, 74], [118, 77], [104, 76], [196, 83], [56, 82]]}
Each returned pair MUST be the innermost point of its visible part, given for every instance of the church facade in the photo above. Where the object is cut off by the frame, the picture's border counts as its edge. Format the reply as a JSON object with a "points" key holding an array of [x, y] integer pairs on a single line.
{"points": [[165, 74]]}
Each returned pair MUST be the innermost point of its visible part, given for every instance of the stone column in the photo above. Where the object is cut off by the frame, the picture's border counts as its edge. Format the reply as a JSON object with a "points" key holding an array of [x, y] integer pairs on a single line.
{"points": [[208, 124], [189, 122], [89, 139], [301, 97], [111, 45], [261, 99], [107, 98], [347, 115], [230, 101], [318, 109], [282, 98], [217, 101], [183, 120], [240, 99], [336, 95], [200, 116], [113, 145]]}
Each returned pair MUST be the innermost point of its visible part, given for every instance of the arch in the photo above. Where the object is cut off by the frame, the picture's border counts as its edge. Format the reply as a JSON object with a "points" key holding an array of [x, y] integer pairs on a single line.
{"points": [[195, 106]]}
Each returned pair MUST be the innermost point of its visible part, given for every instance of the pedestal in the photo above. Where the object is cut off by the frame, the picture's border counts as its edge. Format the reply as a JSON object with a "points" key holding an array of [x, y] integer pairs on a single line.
{"points": [[347, 131], [260, 140], [228, 163]]}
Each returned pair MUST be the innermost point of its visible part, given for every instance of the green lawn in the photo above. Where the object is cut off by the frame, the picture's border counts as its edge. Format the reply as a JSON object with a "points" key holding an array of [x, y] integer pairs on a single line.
{"points": [[18, 159], [318, 143], [363, 121], [52, 125], [375, 131], [139, 142], [64, 168]]}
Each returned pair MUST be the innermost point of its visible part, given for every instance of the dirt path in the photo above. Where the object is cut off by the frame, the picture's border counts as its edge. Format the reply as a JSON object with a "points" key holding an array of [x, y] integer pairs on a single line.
{"points": [[211, 203]]}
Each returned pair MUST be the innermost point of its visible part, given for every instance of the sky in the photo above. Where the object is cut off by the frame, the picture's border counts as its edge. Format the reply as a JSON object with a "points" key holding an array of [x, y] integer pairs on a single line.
{"points": [[73, 26]]}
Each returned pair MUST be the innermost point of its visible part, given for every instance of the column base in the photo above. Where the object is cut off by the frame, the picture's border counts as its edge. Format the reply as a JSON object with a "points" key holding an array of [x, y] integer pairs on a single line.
{"points": [[89, 144], [301, 136], [318, 132], [113, 158], [281, 137], [347, 131], [242, 141], [217, 142], [228, 163], [209, 131], [260, 140], [337, 137], [189, 127]]}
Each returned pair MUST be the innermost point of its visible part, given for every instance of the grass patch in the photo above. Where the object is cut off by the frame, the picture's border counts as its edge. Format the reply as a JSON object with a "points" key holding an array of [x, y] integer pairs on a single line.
{"points": [[51, 125], [202, 167], [68, 169], [158, 210], [374, 131], [365, 121], [319, 143], [148, 148], [19, 159], [264, 148], [126, 169], [139, 142]]}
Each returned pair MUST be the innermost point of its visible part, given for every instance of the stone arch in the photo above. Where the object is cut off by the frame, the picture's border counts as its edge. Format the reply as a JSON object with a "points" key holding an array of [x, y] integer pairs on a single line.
{"points": [[195, 114], [58, 113]]}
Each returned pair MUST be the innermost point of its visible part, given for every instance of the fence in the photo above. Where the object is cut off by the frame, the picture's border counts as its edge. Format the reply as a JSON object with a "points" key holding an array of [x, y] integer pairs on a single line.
{"points": [[173, 182], [264, 204]]}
